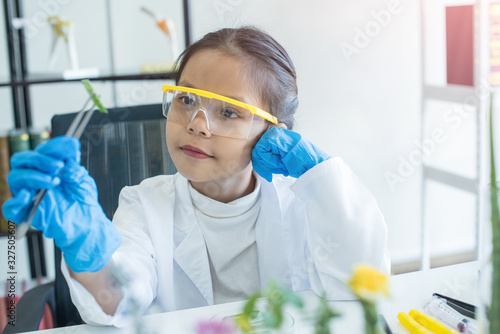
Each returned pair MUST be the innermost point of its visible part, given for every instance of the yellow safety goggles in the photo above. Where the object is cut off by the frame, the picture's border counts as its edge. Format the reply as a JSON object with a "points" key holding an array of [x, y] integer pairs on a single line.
{"points": [[224, 116]]}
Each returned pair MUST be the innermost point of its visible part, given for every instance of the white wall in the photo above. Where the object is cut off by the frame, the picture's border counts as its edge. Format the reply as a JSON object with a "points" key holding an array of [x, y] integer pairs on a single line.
{"points": [[366, 110]]}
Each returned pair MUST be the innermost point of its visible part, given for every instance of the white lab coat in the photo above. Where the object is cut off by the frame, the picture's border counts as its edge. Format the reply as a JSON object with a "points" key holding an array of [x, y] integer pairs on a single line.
{"points": [[309, 233]]}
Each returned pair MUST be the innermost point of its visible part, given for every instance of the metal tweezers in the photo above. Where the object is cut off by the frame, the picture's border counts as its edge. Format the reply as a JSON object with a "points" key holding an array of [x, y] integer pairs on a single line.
{"points": [[75, 129]]}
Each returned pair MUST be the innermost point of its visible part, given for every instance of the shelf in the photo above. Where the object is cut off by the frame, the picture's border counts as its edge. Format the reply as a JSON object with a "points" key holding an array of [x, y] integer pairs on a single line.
{"points": [[450, 93], [55, 78], [115, 38], [451, 179]]}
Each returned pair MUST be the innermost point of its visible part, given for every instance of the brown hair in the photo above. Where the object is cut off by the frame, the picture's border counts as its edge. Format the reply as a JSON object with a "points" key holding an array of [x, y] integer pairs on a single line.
{"points": [[269, 66]]}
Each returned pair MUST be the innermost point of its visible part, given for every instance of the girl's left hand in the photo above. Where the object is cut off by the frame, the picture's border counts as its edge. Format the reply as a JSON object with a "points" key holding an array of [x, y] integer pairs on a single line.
{"points": [[281, 151]]}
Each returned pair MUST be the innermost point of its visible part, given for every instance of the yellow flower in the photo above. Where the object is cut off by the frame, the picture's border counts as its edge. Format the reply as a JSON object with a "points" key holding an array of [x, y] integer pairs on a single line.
{"points": [[367, 283], [243, 321]]}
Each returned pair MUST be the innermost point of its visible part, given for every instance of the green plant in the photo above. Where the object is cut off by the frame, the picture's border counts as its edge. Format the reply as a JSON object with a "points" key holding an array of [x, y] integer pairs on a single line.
{"points": [[275, 300], [494, 309], [269, 315]]}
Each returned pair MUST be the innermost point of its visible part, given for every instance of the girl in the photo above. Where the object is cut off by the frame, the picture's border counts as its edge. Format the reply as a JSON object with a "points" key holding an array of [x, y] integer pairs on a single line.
{"points": [[253, 200]]}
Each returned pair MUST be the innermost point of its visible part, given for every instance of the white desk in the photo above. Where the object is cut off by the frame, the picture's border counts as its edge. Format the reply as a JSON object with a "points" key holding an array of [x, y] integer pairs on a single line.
{"points": [[411, 290], [408, 292]]}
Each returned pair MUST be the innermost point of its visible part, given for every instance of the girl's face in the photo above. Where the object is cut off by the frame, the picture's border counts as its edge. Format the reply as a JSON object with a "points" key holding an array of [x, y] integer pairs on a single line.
{"points": [[198, 155]]}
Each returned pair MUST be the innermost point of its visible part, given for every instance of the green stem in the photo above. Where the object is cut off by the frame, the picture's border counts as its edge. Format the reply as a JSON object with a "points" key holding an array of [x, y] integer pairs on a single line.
{"points": [[371, 317], [494, 310]]}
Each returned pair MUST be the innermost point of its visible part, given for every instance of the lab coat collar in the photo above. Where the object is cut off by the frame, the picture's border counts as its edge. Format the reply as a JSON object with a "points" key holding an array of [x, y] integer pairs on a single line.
{"points": [[271, 237], [191, 253], [184, 205]]}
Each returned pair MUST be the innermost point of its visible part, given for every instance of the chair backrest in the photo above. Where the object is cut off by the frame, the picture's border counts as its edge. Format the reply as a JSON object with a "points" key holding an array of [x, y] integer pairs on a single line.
{"points": [[119, 149]]}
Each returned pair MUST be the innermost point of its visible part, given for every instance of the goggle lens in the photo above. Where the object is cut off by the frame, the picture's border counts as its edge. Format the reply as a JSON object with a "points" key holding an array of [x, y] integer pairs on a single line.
{"points": [[223, 118]]}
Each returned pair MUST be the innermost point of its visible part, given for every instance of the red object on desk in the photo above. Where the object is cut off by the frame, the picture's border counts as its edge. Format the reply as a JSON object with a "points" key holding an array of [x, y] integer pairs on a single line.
{"points": [[460, 45], [46, 322]]}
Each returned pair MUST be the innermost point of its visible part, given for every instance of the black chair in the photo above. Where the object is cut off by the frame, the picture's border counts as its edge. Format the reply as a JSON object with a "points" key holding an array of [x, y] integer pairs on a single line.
{"points": [[120, 148]]}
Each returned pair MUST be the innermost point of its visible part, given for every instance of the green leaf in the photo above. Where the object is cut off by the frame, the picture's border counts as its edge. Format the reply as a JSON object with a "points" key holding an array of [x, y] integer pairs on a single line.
{"points": [[275, 299], [272, 319], [95, 98], [249, 308], [293, 299], [494, 309], [324, 314]]}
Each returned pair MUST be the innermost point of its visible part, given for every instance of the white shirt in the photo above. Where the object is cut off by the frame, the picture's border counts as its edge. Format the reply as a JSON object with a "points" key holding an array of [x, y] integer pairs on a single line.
{"points": [[229, 232]]}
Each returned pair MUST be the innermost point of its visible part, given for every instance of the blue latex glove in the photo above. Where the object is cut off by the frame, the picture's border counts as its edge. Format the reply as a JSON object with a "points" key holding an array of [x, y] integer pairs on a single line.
{"points": [[69, 212], [282, 151]]}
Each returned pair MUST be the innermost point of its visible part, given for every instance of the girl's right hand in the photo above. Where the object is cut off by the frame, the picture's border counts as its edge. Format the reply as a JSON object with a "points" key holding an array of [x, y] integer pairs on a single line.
{"points": [[69, 212]]}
